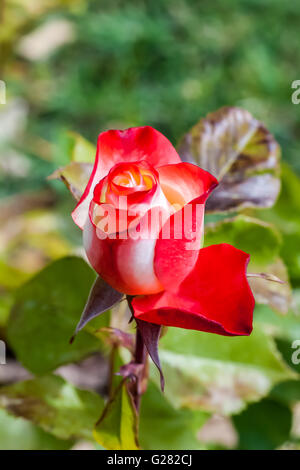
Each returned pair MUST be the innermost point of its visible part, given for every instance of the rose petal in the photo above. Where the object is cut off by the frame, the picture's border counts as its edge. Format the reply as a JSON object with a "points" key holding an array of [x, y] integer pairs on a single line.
{"points": [[127, 204], [215, 297], [125, 264], [178, 245], [180, 240], [131, 145], [184, 182]]}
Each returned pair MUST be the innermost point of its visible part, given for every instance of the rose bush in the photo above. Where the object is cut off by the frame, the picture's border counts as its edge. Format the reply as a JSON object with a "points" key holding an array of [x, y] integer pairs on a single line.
{"points": [[158, 259], [142, 212]]}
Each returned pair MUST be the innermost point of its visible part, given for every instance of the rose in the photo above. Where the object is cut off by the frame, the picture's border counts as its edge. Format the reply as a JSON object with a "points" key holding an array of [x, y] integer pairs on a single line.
{"points": [[139, 178], [137, 171]]}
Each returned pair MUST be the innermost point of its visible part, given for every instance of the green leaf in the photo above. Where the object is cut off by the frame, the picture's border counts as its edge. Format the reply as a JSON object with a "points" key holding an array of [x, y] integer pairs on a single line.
{"points": [[20, 434], [288, 205], [246, 233], [241, 153], [291, 256], [117, 428], [75, 176], [6, 302], [287, 393], [53, 404], [264, 425], [287, 352], [285, 215], [285, 327], [80, 149], [10, 277], [276, 294], [262, 241], [45, 314], [216, 373], [164, 427]]}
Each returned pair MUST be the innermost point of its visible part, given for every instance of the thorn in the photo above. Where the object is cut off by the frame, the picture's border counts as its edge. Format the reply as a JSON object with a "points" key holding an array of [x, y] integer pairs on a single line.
{"points": [[72, 338]]}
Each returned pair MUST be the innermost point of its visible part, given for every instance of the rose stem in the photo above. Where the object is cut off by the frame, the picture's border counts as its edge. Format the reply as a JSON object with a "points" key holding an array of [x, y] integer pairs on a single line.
{"points": [[111, 370], [140, 356]]}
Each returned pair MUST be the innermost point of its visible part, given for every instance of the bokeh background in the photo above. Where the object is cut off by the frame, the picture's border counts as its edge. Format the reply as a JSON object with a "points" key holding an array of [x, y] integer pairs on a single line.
{"points": [[87, 66]]}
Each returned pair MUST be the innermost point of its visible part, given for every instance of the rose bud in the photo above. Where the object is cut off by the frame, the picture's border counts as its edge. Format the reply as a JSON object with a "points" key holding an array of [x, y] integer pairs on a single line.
{"points": [[142, 216]]}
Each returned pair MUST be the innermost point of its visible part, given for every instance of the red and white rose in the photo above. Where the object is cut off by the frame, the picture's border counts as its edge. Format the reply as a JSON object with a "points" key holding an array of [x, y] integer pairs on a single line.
{"points": [[142, 216]]}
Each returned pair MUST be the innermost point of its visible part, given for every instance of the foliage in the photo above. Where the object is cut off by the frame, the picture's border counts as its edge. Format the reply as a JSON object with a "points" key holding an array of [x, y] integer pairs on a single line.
{"points": [[263, 426], [204, 373], [21, 434], [247, 233], [132, 64], [49, 332], [117, 428], [216, 375], [174, 428], [53, 404], [241, 153]]}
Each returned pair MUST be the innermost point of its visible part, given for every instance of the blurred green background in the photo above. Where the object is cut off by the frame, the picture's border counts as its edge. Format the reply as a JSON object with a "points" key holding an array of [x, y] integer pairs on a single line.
{"points": [[93, 65], [87, 66]]}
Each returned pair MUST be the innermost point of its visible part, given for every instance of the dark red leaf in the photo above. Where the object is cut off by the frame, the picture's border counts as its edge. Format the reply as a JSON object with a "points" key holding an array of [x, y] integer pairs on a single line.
{"points": [[151, 334], [102, 297], [131, 369], [119, 338]]}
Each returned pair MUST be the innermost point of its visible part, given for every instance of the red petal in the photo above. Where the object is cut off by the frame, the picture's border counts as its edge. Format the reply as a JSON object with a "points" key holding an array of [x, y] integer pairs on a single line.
{"points": [[184, 182], [125, 264], [215, 297], [131, 202], [176, 254], [131, 145], [178, 245]]}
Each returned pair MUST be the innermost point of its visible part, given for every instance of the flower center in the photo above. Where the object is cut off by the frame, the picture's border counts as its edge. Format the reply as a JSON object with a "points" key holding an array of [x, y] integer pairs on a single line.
{"points": [[127, 179]]}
